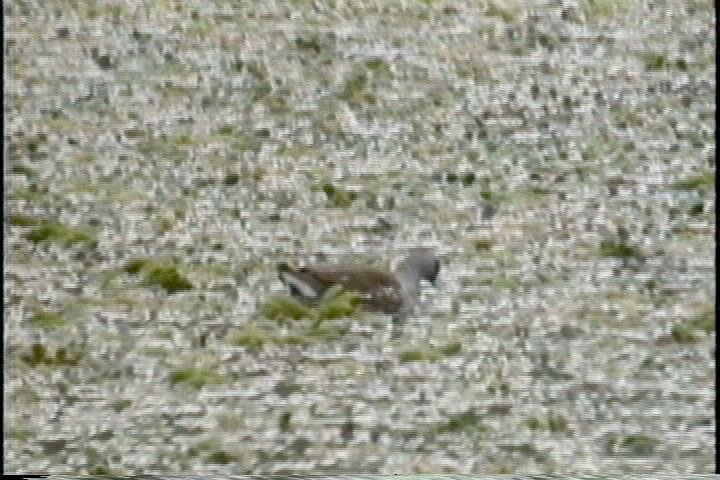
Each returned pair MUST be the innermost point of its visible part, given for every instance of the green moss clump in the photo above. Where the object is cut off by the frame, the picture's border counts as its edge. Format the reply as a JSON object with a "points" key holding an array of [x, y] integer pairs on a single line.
{"points": [[419, 355], [48, 320], [308, 44], [100, 470], [618, 249], [24, 220], [378, 65], [231, 179], [251, 337], [468, 421], [483, 245], [430, 354], [134, 266], [338, 197], [705, 180], [355, 90], [487, 195], [682, 334], [196, 377], [284, 422], [655, 61], [468, 179], [38, 355], [121, 404], [222, 457], [602, 8], [704, 322], [167, 277], [57, 232], [341, 305], [639, 445], [282, 307], [506, 13], [557, 424], [535, 423], [696, 209], [452, 348], [226, 130]]}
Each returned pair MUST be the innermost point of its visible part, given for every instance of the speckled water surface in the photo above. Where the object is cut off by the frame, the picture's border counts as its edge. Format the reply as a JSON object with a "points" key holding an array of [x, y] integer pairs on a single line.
{"points": [[162, 157]]}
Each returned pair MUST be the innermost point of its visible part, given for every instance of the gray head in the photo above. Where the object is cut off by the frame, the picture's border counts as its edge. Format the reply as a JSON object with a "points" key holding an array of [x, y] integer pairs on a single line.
{"points": [[420, 264]]}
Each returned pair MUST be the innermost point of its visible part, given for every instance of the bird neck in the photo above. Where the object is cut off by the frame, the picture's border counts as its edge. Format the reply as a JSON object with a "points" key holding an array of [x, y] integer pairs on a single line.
{"points": [[409, 279]]}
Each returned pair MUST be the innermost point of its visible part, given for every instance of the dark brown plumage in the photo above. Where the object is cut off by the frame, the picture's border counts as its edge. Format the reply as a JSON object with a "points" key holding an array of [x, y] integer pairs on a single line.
{"points": [[376, 290]]}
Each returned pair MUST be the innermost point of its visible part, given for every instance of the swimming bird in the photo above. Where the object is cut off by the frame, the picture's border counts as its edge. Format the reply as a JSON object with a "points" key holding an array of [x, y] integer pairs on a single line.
{"points": [[394, 292]]}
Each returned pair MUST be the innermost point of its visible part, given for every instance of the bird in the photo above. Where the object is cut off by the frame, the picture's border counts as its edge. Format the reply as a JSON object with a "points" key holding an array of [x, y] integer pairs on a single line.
{"points": [[394, 292]]}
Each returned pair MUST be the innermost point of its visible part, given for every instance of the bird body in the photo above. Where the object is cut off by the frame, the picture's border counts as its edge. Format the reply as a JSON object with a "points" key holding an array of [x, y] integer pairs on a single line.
{"points": [[376, 290]]}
